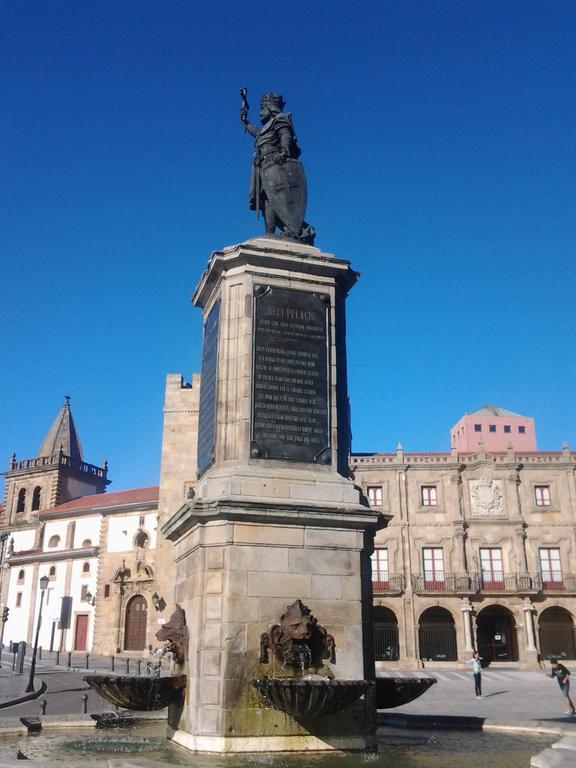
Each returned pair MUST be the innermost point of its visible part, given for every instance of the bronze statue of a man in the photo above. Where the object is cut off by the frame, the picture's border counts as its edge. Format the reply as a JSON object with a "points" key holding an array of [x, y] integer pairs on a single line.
{"points": [[278, 184]]}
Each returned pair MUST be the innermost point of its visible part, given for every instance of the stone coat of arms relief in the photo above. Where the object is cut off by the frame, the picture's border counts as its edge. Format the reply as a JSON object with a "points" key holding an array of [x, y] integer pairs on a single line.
{"points": [[487, 498]]}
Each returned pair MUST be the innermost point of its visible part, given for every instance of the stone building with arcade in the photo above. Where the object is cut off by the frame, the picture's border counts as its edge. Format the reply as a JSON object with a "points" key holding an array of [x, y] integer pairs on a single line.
{"points": [[480, 550]]}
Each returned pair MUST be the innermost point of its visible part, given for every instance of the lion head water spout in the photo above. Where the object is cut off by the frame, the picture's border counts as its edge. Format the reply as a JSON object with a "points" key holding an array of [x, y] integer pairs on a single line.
{"points": [[300, 643]]}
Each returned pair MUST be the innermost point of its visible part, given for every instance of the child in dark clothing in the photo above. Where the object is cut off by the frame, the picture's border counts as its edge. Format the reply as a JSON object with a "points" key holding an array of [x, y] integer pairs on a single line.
{"points": [[560, 672]]}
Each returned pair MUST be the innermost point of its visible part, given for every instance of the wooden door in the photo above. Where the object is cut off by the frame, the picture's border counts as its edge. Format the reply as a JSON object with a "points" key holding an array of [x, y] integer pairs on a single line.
{"points": [[81, 632], [136, 622]]}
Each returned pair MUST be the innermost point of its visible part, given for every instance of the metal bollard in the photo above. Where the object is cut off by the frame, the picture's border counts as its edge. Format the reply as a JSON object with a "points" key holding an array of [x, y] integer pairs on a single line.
{"points": [[139, 666], [43, 704], [40, 652], [112, 663], [87, 661], [127, 666], [57, 658], [69, 659], [84, 703]]}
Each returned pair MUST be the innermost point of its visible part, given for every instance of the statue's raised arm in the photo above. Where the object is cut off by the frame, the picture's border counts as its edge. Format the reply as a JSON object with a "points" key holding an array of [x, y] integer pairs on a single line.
{"points": [[278, 184]]}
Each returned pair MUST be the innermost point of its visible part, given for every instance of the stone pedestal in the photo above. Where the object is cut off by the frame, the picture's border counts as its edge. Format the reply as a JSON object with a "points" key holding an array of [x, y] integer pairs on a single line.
{"points": [[274, 517]]}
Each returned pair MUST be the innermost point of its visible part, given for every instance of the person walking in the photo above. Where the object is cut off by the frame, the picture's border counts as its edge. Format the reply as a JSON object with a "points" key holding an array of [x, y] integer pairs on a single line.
{"points": [[477, 672], [562, 674]]}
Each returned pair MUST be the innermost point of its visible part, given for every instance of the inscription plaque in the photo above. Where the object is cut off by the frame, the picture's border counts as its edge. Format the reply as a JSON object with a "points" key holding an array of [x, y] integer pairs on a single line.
{"points": [[290, 391], [207, 408]]}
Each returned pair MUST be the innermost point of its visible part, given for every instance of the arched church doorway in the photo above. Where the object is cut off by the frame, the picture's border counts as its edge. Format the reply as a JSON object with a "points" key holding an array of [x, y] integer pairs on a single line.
{"points": [[386, 645], [496, 634], [136, 622], [437, 635], [556, 632]]}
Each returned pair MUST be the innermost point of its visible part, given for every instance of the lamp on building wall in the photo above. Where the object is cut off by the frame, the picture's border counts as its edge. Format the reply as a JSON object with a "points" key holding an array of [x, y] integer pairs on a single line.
{"points": [[43, 587]]}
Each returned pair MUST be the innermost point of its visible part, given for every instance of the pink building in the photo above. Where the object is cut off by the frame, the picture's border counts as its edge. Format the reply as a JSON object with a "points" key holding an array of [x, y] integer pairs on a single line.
{"points": [[495, 429]]}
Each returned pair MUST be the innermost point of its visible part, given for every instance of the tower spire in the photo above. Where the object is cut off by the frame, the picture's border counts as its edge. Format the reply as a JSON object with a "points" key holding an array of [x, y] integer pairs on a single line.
{"points": [[62, 435]]}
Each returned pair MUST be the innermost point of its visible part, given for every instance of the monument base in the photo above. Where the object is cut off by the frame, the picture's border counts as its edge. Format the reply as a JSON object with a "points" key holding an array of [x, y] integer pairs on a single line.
{"points": [[224, 744]]}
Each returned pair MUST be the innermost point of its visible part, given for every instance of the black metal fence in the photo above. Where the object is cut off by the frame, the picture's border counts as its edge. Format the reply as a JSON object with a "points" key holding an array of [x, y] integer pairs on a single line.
{"points": [[437, 640], [557, 639], [386, 644]]}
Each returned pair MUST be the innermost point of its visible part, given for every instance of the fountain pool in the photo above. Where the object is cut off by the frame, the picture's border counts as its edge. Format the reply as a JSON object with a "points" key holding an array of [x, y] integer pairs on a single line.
{"points": [[146, 746]]}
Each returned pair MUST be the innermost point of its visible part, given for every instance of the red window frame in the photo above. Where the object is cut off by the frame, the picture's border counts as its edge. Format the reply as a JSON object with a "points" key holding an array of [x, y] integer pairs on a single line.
{"points": [[542, 495], [380, 572], [551, 576], [433, 561], [429, 495], [491, 567], [374, 493]]}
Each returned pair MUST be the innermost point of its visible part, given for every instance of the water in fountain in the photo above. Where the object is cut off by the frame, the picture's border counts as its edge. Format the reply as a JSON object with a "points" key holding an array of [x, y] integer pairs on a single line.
{"points": [[399, 749]]}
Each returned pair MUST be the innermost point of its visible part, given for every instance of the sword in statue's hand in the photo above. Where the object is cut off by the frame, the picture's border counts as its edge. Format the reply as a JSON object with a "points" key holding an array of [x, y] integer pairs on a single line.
{"points": [[244, 108]]}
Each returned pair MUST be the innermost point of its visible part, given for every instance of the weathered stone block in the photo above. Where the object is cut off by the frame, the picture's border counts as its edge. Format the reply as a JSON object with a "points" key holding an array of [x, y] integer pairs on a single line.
{"points": [[323, 561], [328, 587], [282, 535], [273, 584], [246, 558], [213, 608], [211, 663]]}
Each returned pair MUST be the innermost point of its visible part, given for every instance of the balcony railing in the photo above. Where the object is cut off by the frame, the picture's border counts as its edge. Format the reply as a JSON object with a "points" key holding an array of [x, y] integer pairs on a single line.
{"points": [[394, 583], [445, 582], [498, 581], [555, 582]]}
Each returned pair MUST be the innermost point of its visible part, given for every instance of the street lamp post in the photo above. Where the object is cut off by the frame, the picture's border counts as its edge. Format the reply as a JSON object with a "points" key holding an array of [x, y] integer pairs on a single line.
{"points": [[43, 587]]}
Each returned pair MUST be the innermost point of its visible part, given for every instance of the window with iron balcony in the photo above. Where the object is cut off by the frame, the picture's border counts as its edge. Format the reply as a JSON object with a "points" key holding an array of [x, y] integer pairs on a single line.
{"points": [[429, 496], [551, 568], [380, 572], [542, 495]]}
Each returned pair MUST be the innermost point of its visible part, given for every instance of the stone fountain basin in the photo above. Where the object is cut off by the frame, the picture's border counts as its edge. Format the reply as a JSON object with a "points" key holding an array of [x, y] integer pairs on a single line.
{"points": [[138, 693], [396, 691], [309, 698]]}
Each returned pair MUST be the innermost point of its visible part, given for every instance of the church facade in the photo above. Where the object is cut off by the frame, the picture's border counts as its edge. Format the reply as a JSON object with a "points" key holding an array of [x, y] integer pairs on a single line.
{"points": [[480, 551]]}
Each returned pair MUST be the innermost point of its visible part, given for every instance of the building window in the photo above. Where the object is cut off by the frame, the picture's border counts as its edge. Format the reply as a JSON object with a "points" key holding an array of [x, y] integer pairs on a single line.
{"points": [[429, 496], [87, 543], [551, 568], [53, 541], [21, 576], [52, 572], [141, 523], [86, 568], [106, 590], [542, 495], [36, 498], [521, 430], [492, 427], [21, 503], [477, 427], [380, 575], [84, 593], [433, 558], [507, 429], [375, 495], [18, 599], [491, 567]]}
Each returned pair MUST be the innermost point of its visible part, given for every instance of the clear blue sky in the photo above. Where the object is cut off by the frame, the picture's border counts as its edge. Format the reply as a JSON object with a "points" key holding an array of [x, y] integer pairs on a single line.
{"points": [[438, 142]]}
